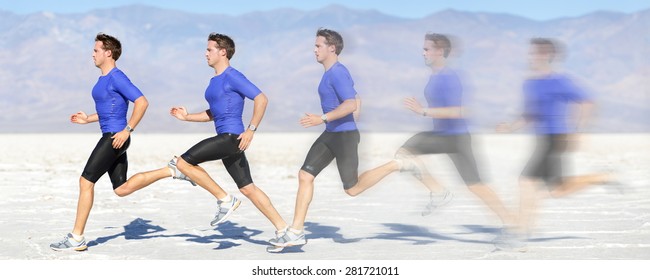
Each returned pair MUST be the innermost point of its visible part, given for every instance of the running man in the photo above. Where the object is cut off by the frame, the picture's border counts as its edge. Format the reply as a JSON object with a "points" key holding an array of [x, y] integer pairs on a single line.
{"points": [[340, 139], [450, 135], [548, 96], [225, 95], [112, 94]]}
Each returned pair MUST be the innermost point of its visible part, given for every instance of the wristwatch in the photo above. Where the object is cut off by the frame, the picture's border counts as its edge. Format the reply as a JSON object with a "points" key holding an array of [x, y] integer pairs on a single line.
{"points": [[324, 118], [252, 127], [129, 128]]}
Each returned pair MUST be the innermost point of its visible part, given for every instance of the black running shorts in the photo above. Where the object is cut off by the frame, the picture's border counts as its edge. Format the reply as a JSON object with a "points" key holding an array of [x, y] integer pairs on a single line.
{"points": [[342, 146], [106, 159], [457, 146], [546, 162], [226, 148]]}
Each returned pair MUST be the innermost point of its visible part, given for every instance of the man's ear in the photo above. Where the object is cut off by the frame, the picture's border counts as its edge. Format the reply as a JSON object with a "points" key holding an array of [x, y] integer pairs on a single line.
{"points": [[439, 51], [223, 52], [110, 53]]}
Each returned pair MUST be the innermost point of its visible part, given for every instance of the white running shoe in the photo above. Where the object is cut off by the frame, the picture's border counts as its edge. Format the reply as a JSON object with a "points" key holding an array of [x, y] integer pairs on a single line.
{"points": [[224, 210], [509, 241], [177, 173], [437, 200], [289, 238], [70, 244], [409, 164]]}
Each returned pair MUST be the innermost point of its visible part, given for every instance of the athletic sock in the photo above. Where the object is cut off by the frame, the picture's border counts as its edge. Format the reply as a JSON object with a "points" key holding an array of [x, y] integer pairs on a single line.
{"points": [[171, 171], [228, 198], [77, 237], [294, 230], [400, 163], [281, 231]]}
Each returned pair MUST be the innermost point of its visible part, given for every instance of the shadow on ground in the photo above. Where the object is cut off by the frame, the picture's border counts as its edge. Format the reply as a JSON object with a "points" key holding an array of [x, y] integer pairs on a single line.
{"points": [[139, 229], [229, 232]]}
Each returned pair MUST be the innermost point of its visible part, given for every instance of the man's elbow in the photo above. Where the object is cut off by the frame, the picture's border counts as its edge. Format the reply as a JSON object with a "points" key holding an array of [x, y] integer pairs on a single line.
{"points": [[142, 102], [352, 105], [261, 99]]}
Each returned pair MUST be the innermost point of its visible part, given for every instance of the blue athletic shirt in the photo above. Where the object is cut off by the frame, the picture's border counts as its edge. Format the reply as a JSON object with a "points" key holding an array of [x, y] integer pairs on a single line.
{"points": [[112, 94], [335, 87], [445, 90], [547, 100], [225, 95]]}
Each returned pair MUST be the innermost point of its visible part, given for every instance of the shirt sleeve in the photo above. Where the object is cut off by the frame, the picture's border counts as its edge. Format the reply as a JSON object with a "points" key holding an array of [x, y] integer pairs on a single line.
{"points": [[240, 84], [125, 88], [343, 84], [573, 92]]}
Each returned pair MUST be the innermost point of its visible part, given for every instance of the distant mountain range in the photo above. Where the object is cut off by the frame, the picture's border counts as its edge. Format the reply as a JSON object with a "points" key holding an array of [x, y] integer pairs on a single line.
{"points": [[46, 69]]}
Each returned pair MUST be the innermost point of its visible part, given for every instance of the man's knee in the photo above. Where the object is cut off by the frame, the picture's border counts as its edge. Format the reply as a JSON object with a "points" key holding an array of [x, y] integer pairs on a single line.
{"points": [[248, 190], [304, 176], [474, 187], [531, 182], [123, 190], [85, 184], [182, 165], [352, 192], [557, 191]]}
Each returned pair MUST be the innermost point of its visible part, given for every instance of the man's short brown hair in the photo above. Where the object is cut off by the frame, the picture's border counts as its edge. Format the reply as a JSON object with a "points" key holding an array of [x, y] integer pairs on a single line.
{"points": [[110, 43], [223, 42]]}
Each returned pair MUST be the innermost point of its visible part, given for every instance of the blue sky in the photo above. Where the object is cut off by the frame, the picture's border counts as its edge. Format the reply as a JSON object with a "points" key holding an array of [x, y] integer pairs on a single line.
{"points": [[538, 10]]}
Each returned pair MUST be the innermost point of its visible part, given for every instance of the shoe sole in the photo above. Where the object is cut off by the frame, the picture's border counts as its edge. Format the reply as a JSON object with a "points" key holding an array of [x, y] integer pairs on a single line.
{"points": [[520, 250], [274, 249], [444, 202], [227, 214], [78, 249], [290, 243], [507, 248], [278, 249], [185, 179]]}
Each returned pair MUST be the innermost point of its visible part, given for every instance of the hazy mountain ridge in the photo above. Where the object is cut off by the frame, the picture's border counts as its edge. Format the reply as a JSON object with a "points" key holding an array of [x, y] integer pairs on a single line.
{"points": [[46, 70]]}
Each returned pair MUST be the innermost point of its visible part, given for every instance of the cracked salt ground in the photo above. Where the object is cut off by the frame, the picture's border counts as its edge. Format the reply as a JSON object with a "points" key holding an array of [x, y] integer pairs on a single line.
{"points": [[170, 219]]}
